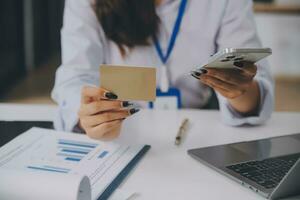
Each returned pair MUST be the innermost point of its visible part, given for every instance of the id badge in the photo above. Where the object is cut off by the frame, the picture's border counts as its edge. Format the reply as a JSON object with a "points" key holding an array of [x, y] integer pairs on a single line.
{"points": [[170, 100]]}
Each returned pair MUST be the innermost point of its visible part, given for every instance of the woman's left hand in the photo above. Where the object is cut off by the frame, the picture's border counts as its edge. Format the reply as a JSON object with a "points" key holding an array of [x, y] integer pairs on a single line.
{"points": [[236, 84]]}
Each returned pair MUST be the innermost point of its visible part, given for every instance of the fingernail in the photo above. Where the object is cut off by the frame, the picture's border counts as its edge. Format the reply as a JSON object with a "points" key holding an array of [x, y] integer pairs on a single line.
{"points": [[133, 111], [111, 95], [193, 75], [239, 64], [196, 73], [126, 104], [204, 71]]}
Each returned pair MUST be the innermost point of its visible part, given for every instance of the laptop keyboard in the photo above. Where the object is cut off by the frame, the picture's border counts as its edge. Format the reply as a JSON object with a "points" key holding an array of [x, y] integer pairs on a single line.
{"points": [[267, 173]]}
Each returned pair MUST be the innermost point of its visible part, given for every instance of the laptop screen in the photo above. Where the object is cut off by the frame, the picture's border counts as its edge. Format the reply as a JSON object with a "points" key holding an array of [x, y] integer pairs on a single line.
{"points": [[270, 147]]}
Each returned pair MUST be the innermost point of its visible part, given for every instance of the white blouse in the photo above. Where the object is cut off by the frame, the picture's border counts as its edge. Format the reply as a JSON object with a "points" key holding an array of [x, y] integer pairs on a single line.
{"points": [[207, 27]]}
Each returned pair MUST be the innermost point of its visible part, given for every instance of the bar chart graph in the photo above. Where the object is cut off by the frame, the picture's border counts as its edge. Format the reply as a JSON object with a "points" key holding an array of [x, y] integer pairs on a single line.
{"points": [[74, 151], [64, 155]]}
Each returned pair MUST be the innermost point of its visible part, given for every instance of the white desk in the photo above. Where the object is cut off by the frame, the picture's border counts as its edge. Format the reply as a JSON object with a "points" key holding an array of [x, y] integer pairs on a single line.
{"points": [[167, 172]]}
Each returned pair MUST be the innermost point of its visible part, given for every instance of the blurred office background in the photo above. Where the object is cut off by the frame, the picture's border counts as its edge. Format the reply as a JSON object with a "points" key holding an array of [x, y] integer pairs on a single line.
{"points": [[30, 48]]}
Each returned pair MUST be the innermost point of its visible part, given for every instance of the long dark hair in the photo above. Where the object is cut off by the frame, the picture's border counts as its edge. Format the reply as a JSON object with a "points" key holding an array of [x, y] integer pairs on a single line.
{"points": [[127, 22]]}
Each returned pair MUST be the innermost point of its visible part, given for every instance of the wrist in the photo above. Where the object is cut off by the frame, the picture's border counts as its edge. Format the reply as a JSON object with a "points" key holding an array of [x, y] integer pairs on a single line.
{"points": [[248, 103]]}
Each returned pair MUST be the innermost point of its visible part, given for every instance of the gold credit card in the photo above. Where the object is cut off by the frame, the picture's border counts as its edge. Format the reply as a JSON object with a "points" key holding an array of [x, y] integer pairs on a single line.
{"points": [[128, 82]]}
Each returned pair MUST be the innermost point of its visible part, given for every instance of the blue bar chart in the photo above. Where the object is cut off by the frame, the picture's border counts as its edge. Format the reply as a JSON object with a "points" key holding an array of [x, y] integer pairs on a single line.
{"points": [[74, 151], [66, 153]]}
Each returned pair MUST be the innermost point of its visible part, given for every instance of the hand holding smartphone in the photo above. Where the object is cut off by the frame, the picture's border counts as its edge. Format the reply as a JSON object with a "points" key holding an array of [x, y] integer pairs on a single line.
{"points": [[231, 73], [230, 57]]}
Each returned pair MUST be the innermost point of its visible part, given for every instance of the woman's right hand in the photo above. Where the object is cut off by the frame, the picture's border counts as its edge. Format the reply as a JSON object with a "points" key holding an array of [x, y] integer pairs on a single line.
{"points": [[101, 114]]}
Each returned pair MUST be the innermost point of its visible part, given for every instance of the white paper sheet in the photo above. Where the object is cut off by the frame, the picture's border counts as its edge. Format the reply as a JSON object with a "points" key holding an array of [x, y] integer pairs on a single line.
{"points": [[17, 184], [62, 160], [121, 194]]}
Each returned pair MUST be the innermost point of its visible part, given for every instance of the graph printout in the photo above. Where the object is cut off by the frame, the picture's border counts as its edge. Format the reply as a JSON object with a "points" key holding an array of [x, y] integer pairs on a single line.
{"points": [[46, 151]]}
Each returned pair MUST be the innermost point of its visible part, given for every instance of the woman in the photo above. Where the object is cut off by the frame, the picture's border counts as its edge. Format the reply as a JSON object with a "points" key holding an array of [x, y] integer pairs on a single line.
{"points": [[137, 32]]}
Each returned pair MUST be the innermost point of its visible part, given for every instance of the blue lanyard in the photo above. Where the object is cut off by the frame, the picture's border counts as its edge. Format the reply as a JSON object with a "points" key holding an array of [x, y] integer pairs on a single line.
{"points": [[164, 58]]}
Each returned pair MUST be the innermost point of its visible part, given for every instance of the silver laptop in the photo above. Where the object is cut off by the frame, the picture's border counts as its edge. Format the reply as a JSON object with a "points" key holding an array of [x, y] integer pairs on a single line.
{"points": [[269, 167]]}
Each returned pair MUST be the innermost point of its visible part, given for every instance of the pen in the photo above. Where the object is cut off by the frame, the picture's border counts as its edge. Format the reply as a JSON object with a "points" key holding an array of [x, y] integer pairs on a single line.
{"points": [[181, 131]]}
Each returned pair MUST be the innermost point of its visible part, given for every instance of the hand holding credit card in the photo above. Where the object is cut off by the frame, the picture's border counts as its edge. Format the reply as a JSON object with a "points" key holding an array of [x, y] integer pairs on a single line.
{"points": [[129, 83]]}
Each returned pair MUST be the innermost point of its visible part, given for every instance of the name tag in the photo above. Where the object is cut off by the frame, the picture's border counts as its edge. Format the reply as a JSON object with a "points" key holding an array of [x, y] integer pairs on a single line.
{"points": [[170, 100]]}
